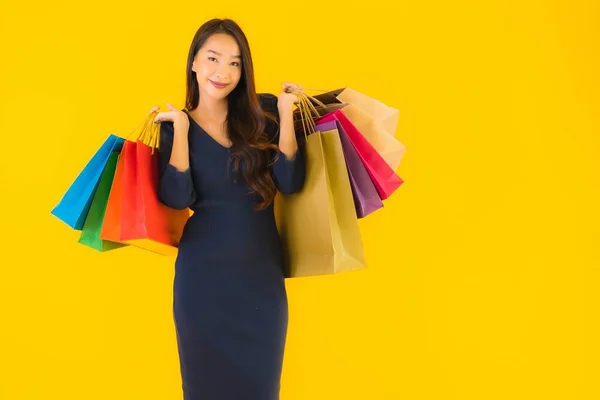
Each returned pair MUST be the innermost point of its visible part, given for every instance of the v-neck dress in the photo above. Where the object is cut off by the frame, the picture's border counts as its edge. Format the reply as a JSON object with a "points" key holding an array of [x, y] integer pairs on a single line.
{"points": [[230, 304]]}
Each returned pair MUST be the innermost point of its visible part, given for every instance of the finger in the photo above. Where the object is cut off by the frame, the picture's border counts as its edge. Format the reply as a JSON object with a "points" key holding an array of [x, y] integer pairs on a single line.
{"points": [[290, 88], [171, 107], [154, 109], [160, 117]]}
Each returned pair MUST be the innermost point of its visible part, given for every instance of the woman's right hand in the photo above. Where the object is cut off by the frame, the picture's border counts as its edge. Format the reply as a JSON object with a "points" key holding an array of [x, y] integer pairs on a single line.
{"points": [[178, 117]]}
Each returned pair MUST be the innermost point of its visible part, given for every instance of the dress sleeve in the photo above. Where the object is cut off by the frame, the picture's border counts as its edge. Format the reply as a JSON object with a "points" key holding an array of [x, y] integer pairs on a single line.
{"points": [[288, 173], [175, 188]]}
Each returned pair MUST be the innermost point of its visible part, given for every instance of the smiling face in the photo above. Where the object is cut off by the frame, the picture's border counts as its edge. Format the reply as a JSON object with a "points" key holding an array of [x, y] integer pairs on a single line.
{"points": [[218, 66]]}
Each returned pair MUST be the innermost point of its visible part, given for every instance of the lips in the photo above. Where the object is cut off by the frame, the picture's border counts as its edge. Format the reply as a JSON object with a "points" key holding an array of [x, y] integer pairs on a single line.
{"points": [[218, 85]]}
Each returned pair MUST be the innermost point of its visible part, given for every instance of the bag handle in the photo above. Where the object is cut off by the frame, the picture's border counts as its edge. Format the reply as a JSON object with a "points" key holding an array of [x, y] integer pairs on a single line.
{"points": [[148, 132], [306, 108]]}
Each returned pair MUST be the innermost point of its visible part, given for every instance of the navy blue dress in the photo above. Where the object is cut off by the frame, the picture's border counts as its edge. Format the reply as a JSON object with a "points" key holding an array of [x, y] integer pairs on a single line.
{"points": [[230, 303]]}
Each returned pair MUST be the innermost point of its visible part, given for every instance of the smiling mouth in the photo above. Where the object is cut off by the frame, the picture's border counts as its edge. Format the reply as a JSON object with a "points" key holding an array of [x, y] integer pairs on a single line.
{"points": [[218, 85]]}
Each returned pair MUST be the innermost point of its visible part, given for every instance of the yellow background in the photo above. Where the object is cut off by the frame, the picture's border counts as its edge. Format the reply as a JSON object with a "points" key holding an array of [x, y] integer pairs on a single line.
{"points": [[483, 268]]}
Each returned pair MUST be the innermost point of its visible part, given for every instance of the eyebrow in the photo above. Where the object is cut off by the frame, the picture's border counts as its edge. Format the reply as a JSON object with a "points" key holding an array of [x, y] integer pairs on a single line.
{"points": [[219, 54]]}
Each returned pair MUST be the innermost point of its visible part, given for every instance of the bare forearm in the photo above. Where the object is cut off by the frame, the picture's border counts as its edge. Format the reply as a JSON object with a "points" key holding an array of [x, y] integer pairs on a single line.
{"points": [[180, 154], [287, 136]]}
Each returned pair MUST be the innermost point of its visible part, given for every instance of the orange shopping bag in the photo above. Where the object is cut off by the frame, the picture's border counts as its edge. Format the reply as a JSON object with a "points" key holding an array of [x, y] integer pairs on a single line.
{"points": [[111, 226]]}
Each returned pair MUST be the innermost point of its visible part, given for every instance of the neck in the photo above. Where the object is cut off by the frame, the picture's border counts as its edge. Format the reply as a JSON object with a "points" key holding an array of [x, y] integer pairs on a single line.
{"points": [[211, 107]]}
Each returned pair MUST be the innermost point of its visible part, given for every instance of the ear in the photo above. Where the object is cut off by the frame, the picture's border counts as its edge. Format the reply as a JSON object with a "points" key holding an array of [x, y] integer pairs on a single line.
{"points": [[194, 63]]}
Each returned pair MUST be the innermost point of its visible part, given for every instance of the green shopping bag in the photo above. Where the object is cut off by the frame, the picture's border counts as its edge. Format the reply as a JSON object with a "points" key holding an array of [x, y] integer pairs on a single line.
{"points": [[90, 234]]}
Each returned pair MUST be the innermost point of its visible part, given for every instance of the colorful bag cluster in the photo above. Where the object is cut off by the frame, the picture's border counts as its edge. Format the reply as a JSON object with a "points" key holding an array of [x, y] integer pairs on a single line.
{"points": [[352, 155], [351, 158], [114, 200]]}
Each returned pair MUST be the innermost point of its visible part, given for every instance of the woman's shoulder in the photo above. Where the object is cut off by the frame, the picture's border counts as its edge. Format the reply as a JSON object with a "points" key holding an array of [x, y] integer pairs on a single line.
{"points": [[268, 101], [168, 127]]}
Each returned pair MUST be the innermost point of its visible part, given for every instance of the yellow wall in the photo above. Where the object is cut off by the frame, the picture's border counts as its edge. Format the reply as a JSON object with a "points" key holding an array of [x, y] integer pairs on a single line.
{"points": [[483, 277]]}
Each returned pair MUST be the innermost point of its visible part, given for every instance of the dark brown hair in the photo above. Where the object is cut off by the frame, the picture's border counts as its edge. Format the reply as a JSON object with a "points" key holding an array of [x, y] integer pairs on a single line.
{"points": [[250, 150]]}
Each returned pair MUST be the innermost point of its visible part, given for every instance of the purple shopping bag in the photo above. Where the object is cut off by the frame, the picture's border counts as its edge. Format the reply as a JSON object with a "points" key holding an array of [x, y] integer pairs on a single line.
{"points": [[366, 197]]}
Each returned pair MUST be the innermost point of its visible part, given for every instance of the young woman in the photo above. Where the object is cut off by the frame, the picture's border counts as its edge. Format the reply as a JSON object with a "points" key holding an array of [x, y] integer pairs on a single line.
{"points": [[225, 156]]}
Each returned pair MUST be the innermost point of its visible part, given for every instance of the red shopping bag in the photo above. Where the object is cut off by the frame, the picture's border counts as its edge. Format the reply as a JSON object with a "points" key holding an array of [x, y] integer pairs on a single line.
{"points": [[385, 179], [145, 222]]}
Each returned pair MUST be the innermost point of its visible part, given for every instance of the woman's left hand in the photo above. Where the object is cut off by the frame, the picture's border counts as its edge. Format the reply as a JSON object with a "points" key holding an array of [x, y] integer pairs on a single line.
{"points": [[287, 98]]}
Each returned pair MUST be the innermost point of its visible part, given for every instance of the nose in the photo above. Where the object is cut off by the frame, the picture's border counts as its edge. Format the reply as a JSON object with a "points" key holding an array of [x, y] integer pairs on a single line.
{"points": [[222, 71]]}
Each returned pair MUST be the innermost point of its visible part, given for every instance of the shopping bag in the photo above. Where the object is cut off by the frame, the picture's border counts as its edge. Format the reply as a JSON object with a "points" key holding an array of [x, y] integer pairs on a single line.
{"points": [[320, 110], [385, 179], [390, 149], [366, 198], [145, 222], [111, 225], [90, 234], [376, 121], [387, 116], [73, 207], [318, 225]]}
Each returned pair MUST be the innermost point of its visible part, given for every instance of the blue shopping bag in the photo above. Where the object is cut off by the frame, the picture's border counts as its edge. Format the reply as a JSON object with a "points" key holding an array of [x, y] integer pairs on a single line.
{"points": [[73, 208]]}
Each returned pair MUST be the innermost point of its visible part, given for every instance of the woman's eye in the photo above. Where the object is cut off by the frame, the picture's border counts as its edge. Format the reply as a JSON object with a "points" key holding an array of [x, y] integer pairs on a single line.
{"points": [[235, 64], [212, 59]]}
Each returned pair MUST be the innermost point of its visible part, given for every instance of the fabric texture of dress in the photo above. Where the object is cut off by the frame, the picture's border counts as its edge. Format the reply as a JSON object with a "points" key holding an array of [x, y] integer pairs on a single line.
{"points": [[230, 304]]}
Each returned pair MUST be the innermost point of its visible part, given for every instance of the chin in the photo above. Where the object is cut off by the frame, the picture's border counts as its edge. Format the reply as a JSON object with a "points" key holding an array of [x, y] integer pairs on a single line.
{"points": [[218, 94]]}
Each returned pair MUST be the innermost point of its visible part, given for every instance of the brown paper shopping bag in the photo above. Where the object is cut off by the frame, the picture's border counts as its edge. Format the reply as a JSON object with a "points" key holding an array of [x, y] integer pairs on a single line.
{"points": [[318, 226], [374, 119], [390, 149], [387, 116]]}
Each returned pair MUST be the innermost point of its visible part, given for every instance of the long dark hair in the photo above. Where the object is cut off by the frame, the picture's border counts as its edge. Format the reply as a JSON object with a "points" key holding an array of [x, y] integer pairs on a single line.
{"points": [[246, 120]]}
